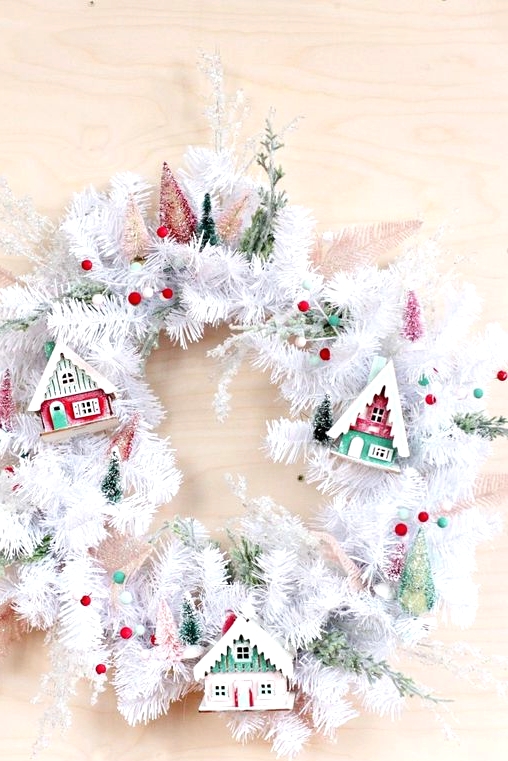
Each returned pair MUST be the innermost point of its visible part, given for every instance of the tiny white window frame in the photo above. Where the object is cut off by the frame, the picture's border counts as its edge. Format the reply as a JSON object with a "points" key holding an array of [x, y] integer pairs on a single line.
{"points": [[377, 414], [86, 408], [67, 377], [380, 453], [219, 691], [266, 689], [242, 652]]}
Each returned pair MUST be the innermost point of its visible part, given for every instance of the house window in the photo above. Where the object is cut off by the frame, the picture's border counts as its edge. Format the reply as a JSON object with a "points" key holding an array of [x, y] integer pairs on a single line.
{"points": [[266, 688], [86, 408], [242, 653], [219, 691], [380, 453], [377, 414], [67, 377]]}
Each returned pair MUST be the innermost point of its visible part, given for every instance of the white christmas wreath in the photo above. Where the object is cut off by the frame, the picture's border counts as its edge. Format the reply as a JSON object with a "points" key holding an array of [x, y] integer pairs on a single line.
{"points": [[281, 624]]}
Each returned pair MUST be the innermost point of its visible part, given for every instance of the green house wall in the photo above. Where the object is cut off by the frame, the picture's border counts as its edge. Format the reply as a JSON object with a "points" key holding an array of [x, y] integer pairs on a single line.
{"points": [[342, 446], [228, 662]]}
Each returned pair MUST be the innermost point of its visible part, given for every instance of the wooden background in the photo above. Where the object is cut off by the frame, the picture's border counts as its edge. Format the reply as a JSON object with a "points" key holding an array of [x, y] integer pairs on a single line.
{"points": [[406, 113]]}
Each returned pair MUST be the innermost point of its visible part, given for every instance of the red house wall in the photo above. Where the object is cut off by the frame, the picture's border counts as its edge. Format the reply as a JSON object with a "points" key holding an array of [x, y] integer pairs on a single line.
{"points": [[67, 401], [364, 423]]}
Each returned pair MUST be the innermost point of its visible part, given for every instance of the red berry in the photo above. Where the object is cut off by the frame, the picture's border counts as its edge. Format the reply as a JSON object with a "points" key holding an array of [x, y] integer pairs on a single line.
{"points": [[423, 516], [502, 375], [87, 265], [325, 354], [162, 231], [9, 469], [303, 306], [167, 293], [86, 600], [134, 298], [430, 399], [126, 632], [153, 639], [401, 529], [100, 668]]}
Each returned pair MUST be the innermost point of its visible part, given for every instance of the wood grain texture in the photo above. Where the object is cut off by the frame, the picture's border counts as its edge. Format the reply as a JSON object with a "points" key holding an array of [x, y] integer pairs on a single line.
{"points": [[406, 114]]}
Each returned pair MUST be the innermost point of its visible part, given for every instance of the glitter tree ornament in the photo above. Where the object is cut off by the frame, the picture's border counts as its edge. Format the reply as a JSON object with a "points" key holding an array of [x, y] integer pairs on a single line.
{"points": [[175, 212], [6, 403], [412, 328], [111, 486], [417, 593], [135, 238], [230, 222], [122, 440], [166, 634], [396, 562], [206, 227]]}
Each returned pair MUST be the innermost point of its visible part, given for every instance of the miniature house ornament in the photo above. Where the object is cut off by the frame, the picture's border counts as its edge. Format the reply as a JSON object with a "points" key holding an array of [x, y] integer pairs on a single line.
{"points": [[72, 397], [246, 670], [371, 430]]}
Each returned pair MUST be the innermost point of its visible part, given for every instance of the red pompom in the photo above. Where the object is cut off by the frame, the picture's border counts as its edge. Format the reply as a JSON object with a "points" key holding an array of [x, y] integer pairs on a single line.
{"points": [[430, 399], [86, 600], [502, 375], [167, 293], [325, 354], [126, 632], [100, 668], [87, 265], [162, 231], [134, 298], [229, 621], [303, 306], [423, 517], [153, 639], [401, 529]]}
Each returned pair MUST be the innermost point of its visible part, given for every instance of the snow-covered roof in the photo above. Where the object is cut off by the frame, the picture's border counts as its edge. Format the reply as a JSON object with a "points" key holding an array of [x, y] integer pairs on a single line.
{"points": [[248, 629], [60, 348], [384, 379]]}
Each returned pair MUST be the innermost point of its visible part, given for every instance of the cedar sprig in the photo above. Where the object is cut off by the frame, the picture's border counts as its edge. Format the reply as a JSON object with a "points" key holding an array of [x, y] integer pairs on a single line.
{"points": [[333, 649], [481, 425]]}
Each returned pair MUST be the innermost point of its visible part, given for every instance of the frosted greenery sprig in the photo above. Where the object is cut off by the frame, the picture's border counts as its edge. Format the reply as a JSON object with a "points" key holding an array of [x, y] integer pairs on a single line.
{"points": [[333, 649], [244, 556], [478, 423], [259, 237]]}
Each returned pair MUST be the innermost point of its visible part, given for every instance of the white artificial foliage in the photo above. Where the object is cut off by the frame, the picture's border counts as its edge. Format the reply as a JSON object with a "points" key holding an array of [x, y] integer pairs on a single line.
{"points": [[77, 555], [35, 598]]}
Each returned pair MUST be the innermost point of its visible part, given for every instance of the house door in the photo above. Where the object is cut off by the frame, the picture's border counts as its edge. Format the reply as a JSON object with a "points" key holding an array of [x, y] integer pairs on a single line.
{"points": [[243, 695], [58, 415], [355, 447]]}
